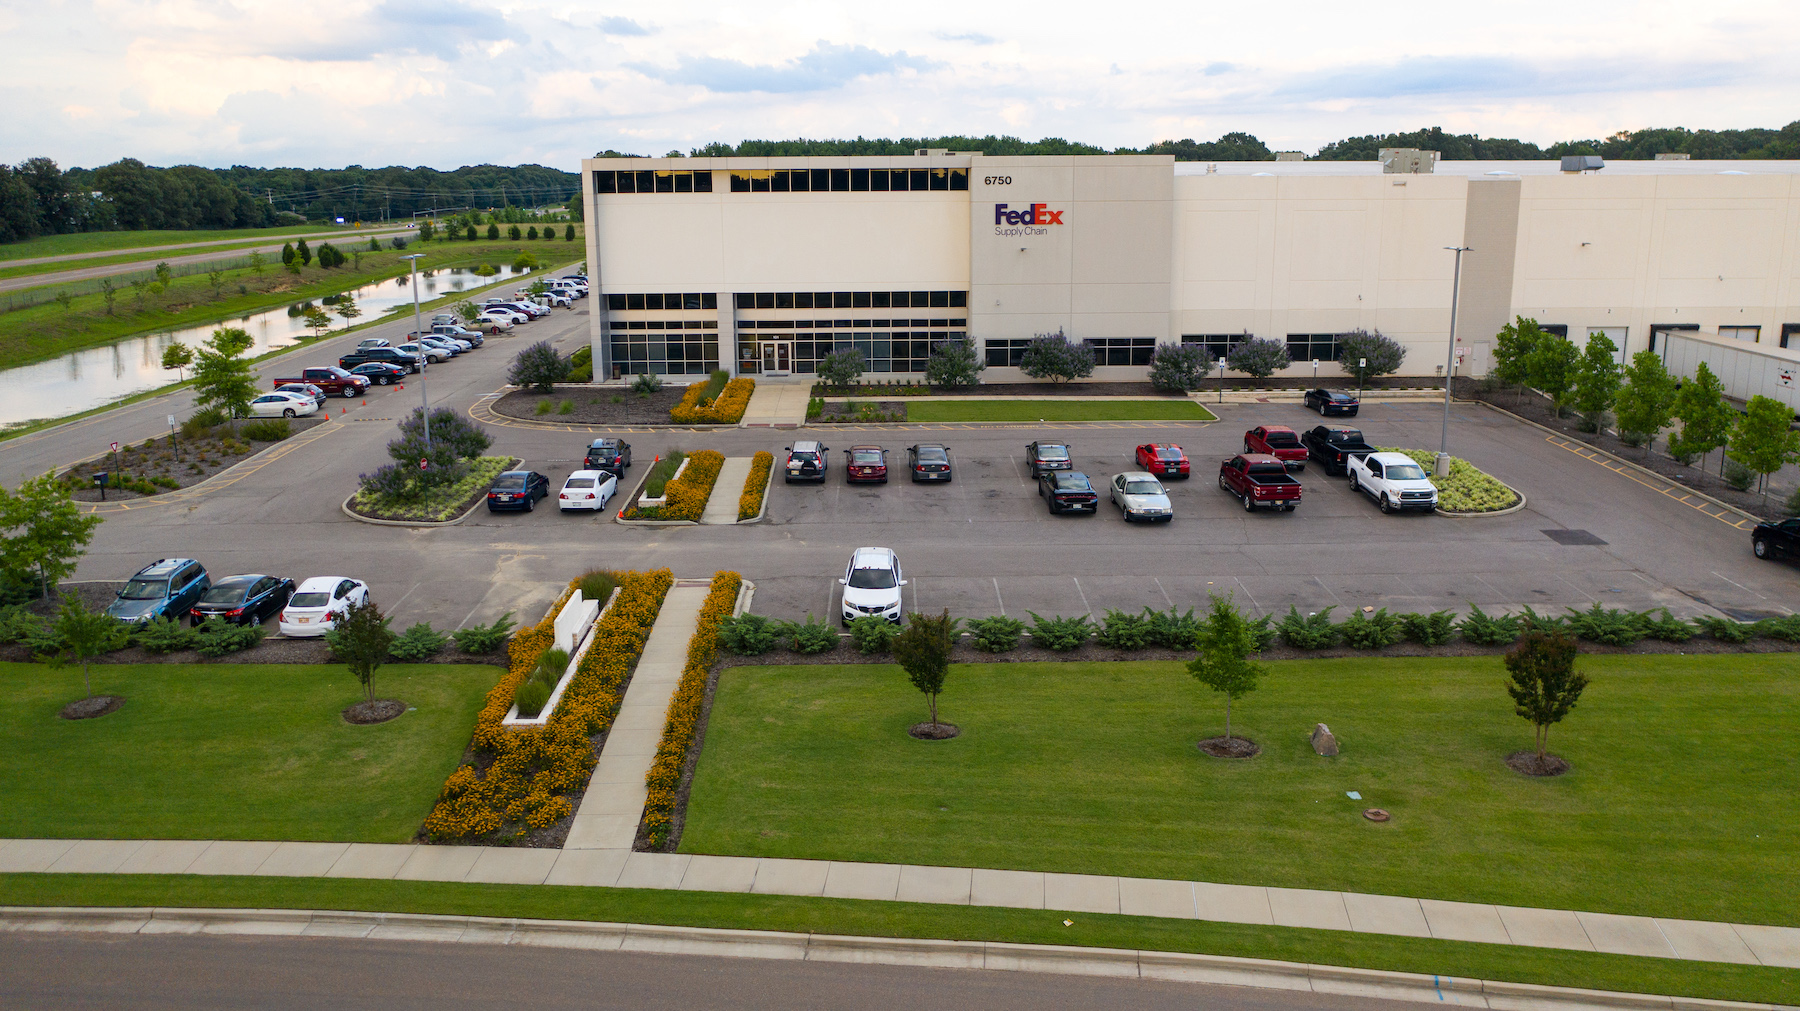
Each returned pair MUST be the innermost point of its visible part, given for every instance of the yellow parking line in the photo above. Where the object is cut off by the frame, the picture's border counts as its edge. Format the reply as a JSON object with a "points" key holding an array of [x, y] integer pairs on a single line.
{"points": [[1667, 489]]}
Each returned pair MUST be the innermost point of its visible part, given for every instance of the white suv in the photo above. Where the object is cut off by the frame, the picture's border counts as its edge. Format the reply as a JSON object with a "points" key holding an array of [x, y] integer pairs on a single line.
{"points": [[872, 583], [1394, 481]]}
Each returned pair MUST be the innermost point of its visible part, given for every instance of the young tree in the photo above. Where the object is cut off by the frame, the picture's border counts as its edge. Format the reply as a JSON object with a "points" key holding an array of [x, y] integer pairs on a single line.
{"points": [[512, 232], [1552, 368], [108, 294], [1225, 641], [66, 300], [953, 363], [426, 231], [569, 233], [1055, 357], [346, 307], [1178, 366], [83, 635], [539, 367], [287, 253], [302, 253], [1513, 347], [317, 320], [222, 379], [1383, 353], [531, 233], [215, 279], [493, 233], [178, 356], [1545, 685], [361, 640], [1597, 379], [45, 532], [469, 311], [257, 261], [1645, 404], [1764, 439], [1706, 419], [923, 650], [374, 244], [841, 368], [1258, 357], [451, 431], [164, 274]]}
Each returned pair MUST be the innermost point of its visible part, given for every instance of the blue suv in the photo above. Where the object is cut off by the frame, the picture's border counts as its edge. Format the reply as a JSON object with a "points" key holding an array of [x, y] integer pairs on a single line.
{"points": [[166, 588]]}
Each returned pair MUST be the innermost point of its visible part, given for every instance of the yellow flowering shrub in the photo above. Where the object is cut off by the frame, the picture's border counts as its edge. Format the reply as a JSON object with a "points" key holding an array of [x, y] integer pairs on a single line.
{"points": [[664, 777], [728, 409], [756, 485], [533, 769], [685, 497]]}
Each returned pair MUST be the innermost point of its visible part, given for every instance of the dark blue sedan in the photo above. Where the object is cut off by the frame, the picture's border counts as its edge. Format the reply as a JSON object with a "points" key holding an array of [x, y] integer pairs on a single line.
{"points": [[380, 373], [517, 489], [243, 600]]}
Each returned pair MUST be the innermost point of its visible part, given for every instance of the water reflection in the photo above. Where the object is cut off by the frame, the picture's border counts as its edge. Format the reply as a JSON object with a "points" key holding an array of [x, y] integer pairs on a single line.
{"points": [[83, 380]]}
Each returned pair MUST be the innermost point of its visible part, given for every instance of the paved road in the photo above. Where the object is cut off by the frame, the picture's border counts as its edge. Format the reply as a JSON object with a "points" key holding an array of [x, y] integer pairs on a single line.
{"points": [[272, 244], [200, 973]]}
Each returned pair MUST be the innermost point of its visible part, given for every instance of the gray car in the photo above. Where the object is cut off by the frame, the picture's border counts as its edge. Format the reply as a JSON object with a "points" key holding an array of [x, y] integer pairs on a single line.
{"points": [[1139, 495]]}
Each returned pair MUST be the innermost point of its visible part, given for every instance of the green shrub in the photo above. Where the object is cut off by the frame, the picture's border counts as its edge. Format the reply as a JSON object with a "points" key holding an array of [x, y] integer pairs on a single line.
{"points": [[166, 635], [219, 638], [1738, 476], [646, 383], [748, 634], [268, 430], [873, 633], [417, 643], [1724, 629], [1059, 633], [998, 634], [484, 638], [1120, 630], [1482, 630], [1785, 628], [1548, 624], [1371, 630], [1171, 629], [531, 697], [17, 624], [201, 423], [1667, 628], [43, 640], [809, 636], [597, 584], [1313, 631], [1434, 629], [1264, 630], [1607, 626]]}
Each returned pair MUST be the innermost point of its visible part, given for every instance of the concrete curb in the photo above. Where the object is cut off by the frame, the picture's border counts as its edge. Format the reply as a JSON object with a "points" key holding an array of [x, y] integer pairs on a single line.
{"points": [[940, 953], [417, 524]]}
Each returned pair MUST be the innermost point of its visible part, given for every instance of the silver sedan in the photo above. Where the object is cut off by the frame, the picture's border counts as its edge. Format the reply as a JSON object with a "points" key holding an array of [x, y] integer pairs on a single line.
{"points": [[1139, 495]]}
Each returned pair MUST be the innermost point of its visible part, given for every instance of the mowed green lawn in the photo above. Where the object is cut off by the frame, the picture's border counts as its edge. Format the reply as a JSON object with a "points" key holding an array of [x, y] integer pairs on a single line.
{"points": [[105, 242], [1680, 802], [230, 751], [923, 409]]}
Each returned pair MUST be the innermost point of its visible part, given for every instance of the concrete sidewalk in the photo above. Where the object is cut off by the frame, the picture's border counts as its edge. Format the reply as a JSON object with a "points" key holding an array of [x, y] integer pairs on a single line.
{"points": [[778, 403], [722, 505]]}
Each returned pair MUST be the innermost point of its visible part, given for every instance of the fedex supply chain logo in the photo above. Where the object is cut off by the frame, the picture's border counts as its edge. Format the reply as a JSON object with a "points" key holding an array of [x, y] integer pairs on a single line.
{"points": [[1035, 220]]}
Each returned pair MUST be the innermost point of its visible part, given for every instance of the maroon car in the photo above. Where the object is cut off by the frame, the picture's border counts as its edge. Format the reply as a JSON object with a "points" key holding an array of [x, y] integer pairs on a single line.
{"points": [[865, 465], [1278, 441]]}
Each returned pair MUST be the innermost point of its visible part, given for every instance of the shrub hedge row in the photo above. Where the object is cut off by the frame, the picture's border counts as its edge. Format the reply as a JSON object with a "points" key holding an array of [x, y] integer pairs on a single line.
{"points": [[683, 720], [756, 485]]}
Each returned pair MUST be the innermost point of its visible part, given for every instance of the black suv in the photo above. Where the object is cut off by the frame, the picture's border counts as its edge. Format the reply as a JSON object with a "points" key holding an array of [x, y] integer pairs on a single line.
{"points": [[166, 588], [609, 455], [806, 462], [1776, 540]]}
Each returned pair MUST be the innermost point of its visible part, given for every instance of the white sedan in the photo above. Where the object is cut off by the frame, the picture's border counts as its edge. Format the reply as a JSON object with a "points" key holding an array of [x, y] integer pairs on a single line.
{"points": [[1139, 495], [508, 316], [587, 489], [282, 404], [319, 604]]}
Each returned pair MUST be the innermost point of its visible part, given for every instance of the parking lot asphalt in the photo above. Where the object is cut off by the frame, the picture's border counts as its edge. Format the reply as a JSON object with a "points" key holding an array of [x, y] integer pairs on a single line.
{"points": [[981, 545]]}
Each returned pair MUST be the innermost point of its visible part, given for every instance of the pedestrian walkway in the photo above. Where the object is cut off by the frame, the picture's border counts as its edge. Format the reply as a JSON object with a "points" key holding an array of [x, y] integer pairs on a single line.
{"points": [[603, 859], [778, 403], [614, 803], [722, 506]]}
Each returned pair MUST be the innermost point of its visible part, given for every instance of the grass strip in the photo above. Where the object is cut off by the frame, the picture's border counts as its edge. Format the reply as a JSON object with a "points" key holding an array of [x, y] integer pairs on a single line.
{"points": [[104, 242], [1056, 410], [1468, 489], [442, 504], [662, 472], [1456, 959]]}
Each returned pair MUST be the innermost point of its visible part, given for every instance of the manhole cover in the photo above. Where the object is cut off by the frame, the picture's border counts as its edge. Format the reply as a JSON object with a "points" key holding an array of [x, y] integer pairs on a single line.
{"points": [[1572, 537]]}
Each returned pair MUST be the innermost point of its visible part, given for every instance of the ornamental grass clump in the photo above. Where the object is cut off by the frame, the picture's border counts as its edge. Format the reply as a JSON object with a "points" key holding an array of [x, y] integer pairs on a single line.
{"points": [[596, 585], [998, 634], [1434, 629], [1060, 634], [1121, 630], [1483, 630], [683, 722], [1371, 629], [1308, 632]]}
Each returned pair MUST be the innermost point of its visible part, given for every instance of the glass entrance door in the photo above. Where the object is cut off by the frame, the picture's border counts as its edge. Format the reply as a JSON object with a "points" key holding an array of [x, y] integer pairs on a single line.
{"points": [[777, 358]]}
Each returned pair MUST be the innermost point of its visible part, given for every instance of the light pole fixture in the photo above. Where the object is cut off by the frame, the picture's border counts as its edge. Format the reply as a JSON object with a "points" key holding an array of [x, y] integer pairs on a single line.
{"points": [[418, 338], [1450, 354], [1221, 379]]}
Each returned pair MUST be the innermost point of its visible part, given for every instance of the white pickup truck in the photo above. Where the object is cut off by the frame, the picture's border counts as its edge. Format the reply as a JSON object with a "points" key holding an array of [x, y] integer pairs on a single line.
{"points": [[1393, 480]]}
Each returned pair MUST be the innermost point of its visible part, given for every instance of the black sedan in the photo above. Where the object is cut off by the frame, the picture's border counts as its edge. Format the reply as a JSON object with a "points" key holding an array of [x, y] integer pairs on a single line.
{"points": [[379, 373], [928, 461], [517, 489], [1329, 402], [1776, 540], [1068, 490], [243, 600]]}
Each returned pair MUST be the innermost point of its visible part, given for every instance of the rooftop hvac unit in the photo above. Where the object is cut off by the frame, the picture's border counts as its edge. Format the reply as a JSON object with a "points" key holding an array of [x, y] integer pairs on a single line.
{"points": [[1672, 156], [1582, 163], [1408, 161], [1290, 156]]}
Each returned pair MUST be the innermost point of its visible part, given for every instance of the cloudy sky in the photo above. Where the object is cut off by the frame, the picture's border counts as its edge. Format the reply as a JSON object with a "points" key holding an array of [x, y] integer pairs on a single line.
{"points": [[325, 83]]}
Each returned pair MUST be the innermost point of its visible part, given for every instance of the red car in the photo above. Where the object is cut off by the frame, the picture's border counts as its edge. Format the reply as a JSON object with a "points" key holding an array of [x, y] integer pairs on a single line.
{"points": [[1164, 458], [1278, 441], [865, 465]]}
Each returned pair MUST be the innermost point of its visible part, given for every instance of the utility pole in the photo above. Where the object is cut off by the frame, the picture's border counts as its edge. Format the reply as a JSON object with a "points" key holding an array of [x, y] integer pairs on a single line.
{"points": [[1443, 465], [424, 366]]}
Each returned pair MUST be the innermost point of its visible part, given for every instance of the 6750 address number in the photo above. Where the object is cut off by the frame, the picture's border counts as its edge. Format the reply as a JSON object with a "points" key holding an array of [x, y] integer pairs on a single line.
{"points": [[996, 180]]}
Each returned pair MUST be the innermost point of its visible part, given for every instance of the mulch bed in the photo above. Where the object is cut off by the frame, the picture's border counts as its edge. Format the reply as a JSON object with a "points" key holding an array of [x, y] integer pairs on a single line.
{"points": [[1527, 763], [933, 731], [91, 708], [198, 459], [593, 405], [1230, 747], [379, 711], [1535, 407], [837, 414]]}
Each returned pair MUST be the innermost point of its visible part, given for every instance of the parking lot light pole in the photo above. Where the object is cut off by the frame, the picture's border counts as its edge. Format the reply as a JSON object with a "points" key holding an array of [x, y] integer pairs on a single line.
{"points": [[1450, 355], [1221, 380], [419, 330]]}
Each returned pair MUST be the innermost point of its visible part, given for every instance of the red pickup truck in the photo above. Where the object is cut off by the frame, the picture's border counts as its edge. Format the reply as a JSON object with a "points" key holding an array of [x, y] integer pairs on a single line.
{"points": [[1258, 479], [1278, 441], [1164, 458], [334, 381]]}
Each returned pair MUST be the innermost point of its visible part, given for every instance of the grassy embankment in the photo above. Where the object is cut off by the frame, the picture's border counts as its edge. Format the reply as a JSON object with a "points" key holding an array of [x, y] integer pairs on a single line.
{"points": [[106, 242]]}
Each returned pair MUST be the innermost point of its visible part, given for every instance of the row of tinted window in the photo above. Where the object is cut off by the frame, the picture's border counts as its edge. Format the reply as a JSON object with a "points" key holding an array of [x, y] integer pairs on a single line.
{"points": [[809, 324], [1010, 351], [663, 355], [653, 181], [851, 299], [1301, 347], [657, 324], [882, 352], [855, 180], [656, 300]]}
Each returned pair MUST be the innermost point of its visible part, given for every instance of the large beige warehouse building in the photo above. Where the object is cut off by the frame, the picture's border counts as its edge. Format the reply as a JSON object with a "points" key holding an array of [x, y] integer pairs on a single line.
{"points": [[763, 265]]}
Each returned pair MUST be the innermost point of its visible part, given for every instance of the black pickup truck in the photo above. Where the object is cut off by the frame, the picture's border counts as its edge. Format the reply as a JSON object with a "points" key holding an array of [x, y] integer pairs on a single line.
{"points": [[1335, 447], [388, 356]]}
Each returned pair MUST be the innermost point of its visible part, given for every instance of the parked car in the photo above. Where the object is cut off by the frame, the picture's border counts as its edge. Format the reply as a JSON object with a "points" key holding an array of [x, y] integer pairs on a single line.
{"points": [[1278, 441], [1329, 402], [610, 455], [380, 373], [865, 465], [389, 356], [1258, 479], [550, 296], [493, 323], [334, 381], [523, 312], [285, 405], [1776, 540], [372, 342], [508, 317], [1068, 490], [872, 583], [450, 348], [1045, 456], [1163, 458], [517, 489], [456, 331], [806, 462], [429, 355], [1394, 481], [587, 489], [166, 588], [1334, 446], [1139, 495], [929, 461], [305, 390], [319, 603], [445, 317], [243, 600]]}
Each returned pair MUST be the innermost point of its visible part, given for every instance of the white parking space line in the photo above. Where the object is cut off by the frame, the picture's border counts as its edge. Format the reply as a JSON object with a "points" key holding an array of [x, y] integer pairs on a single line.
{"points": [[1084, 600], [997, 596], [1252, 596], [1741, 586], [1165, 593], [1327, 589], [394, 608]]}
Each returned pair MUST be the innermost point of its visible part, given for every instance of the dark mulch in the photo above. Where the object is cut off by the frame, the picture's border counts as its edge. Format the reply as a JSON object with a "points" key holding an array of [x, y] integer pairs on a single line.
{"points": [[1536, 407], [593, 405], [378, 711], [92, 707], [1527, 763], [1230, 747], [188, 461], [837, 414], [93, 596], [933, 731]]}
